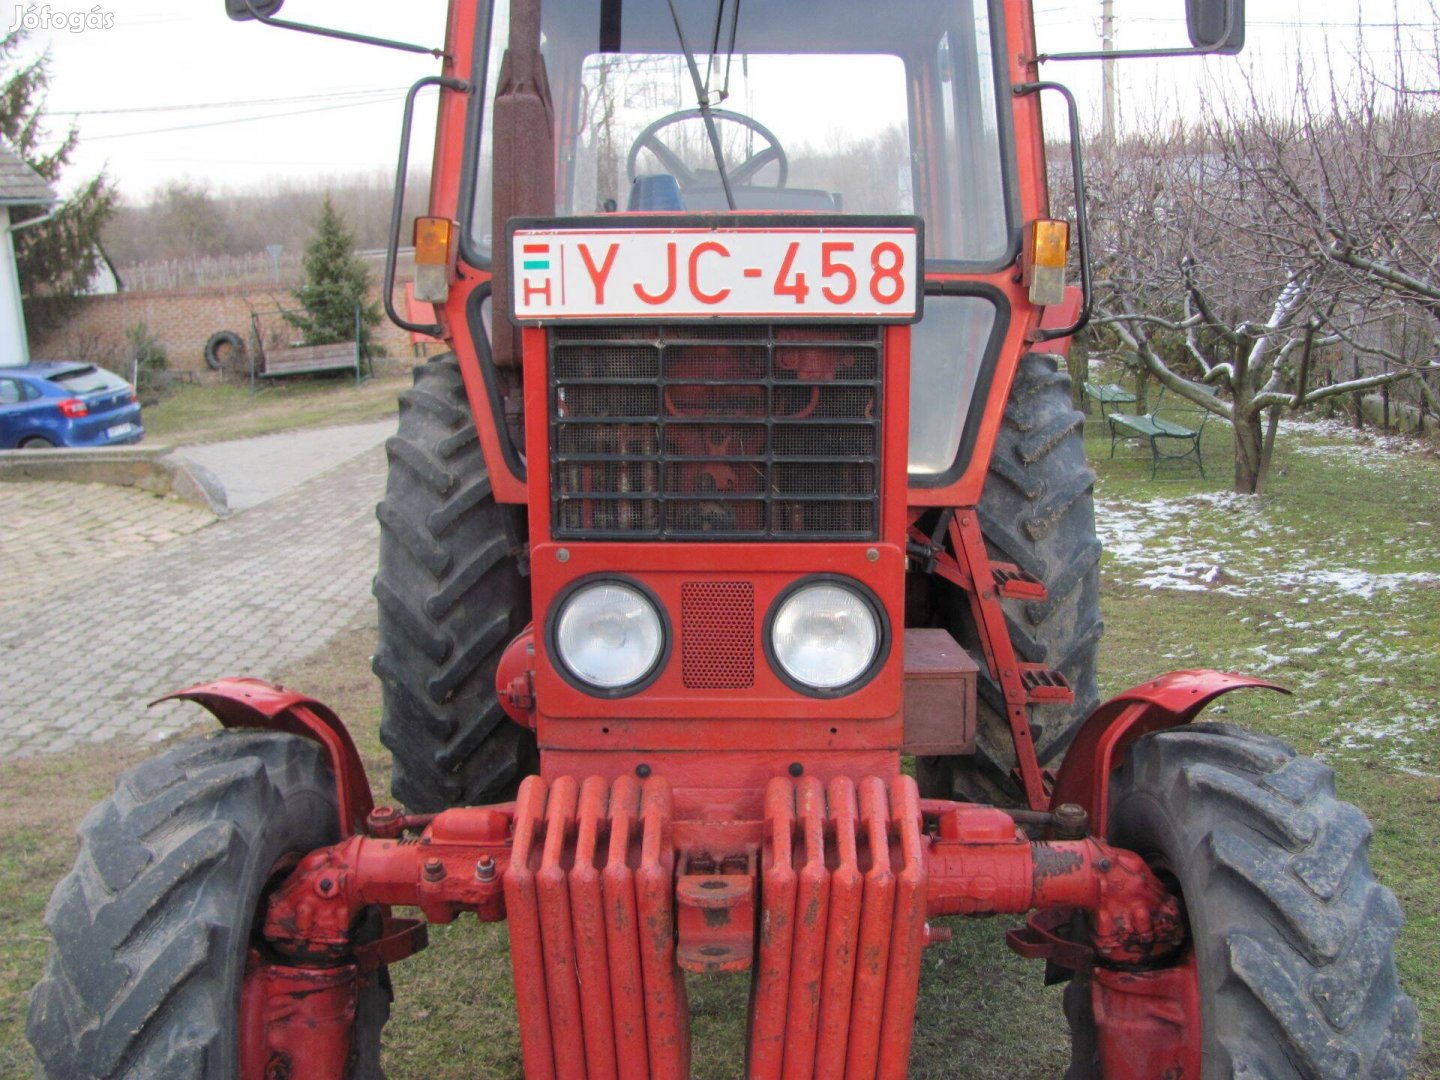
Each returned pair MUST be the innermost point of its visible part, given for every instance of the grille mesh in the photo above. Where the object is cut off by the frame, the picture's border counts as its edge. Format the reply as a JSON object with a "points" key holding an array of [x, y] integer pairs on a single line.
{"points": [[717, 628], [716, 432]]}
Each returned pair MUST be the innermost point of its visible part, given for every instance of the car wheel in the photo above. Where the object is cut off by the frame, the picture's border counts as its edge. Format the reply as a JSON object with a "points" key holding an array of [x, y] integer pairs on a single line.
{"points": [[35, 442]]}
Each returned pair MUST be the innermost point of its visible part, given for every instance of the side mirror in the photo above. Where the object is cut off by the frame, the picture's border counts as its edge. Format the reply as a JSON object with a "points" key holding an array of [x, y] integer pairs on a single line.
{"points": [[1216, 26], [244, 10]]}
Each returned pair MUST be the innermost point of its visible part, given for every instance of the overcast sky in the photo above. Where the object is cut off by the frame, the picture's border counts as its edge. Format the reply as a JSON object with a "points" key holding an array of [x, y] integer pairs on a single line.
{"points": [[174, 89]]}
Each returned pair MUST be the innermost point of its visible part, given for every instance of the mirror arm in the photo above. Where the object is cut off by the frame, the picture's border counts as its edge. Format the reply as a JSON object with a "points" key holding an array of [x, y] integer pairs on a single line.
{"points": [[1153, 54], [397, 205], [341, 35], [1082, 218]]}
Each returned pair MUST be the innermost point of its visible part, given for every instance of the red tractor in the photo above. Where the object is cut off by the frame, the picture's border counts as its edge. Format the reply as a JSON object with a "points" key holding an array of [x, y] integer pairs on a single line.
{"points": [[752, 474]]}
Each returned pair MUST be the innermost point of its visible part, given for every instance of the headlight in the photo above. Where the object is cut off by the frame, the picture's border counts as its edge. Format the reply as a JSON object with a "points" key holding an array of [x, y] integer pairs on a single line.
{"points": [[609, 635], [826, 635]]}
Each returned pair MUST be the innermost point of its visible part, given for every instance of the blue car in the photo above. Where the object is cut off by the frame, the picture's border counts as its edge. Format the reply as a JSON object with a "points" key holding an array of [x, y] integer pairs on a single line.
{"points": [[59, 404]]}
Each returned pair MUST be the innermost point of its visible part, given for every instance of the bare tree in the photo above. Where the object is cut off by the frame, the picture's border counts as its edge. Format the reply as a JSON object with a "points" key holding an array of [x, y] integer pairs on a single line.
{"points": [[1239, 251]]}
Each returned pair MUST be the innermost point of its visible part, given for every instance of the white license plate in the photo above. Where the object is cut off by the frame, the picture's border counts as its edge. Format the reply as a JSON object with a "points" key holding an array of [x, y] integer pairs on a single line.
{"points": [[688, 273], [118, 430]]}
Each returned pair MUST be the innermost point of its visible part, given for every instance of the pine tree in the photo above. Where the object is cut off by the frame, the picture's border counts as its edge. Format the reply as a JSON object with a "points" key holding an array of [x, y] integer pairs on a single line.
{"points": [[57, 259], [336, 279]]}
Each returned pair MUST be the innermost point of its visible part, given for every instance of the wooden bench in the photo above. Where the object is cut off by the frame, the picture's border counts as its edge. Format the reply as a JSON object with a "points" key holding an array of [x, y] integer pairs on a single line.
{"points": [[278, 362], [1160, 431], [1108, 394]]}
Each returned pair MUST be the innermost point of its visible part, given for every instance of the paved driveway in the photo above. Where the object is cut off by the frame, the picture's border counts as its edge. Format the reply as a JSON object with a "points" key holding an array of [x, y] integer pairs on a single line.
{"points": [[247, 595]]}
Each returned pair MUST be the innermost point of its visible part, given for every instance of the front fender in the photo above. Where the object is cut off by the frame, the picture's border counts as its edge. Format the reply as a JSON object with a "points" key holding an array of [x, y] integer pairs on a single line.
{"points": [[254, 703], [1102, 741]]}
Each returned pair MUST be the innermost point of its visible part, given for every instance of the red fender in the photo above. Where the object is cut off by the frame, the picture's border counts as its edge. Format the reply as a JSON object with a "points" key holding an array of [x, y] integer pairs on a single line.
{"points": [[1102, 741], [254, 703]]}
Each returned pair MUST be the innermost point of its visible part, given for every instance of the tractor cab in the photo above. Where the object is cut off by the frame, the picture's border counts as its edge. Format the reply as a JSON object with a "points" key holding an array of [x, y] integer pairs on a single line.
{"points": [[846, 108], [836, 108]]}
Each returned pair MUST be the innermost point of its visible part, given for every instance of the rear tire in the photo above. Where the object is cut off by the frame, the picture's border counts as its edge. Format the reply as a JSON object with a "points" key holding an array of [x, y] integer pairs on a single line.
{"points": [[35, 442], [1293, 937], [451, 597], [1037, 511], [152, 927]]}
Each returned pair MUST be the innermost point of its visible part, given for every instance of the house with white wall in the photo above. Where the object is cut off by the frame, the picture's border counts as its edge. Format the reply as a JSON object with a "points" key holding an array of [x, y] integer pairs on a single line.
{"points": [[21, 187]]}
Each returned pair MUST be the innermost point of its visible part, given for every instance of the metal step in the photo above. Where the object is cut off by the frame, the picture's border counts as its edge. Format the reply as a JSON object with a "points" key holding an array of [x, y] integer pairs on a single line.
{"points": [[1015, 584], [1045, 686]]}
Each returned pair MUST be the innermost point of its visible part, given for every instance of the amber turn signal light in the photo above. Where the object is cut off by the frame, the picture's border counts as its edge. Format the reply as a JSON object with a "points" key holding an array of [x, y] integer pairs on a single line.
{"points": [[1047, 246], [434, 251]]}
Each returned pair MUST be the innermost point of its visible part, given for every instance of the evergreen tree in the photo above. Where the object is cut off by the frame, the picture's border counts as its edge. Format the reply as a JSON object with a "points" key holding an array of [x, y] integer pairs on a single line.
{"points": [[57, 259], [336, 279]]}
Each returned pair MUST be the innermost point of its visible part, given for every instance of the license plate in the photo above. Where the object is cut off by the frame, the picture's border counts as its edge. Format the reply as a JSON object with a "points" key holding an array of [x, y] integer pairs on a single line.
{"points": [[119, 429], [785, 272]]}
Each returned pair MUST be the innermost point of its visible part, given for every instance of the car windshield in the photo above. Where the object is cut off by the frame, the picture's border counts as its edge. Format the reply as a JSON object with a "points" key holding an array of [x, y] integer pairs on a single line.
{"points": [[819, 109], [88, 380]]}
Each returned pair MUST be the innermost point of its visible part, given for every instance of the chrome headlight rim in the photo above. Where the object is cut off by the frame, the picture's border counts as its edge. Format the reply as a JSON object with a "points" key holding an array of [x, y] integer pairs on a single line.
{"points": [[552, 630], [882, 630]]}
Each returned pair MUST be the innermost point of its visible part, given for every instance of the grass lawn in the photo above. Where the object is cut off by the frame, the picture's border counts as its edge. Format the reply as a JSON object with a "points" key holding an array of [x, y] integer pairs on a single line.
{"points": [[215, 412], [1330, 585]]}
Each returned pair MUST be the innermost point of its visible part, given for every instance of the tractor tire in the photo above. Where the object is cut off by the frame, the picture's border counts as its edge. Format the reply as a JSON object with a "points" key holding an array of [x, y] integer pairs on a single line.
{"points": [[152, 927], [224, 343], [1038, 512], [451, 597], [1293, 937]]}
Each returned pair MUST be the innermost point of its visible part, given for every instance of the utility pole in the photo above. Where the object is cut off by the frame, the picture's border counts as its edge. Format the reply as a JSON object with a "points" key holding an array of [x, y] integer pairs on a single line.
{"points": [[1107, 34]]}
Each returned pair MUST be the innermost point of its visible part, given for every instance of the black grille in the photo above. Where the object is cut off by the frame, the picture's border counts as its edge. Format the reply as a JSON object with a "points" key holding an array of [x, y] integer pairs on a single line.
{"points": [[716, 432]]}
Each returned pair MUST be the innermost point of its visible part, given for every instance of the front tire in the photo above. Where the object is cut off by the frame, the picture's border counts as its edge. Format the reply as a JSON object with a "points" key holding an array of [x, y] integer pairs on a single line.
{"points": [[1293, 937], [152, 927]]}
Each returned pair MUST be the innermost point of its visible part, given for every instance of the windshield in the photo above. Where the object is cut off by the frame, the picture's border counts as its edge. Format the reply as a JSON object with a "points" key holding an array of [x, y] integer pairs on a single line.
{"points": [[817, 108]]}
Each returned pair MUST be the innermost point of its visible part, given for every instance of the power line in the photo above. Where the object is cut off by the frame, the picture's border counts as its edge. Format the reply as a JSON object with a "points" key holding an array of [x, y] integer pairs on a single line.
{"points": [[234, 120], [328, 96]]}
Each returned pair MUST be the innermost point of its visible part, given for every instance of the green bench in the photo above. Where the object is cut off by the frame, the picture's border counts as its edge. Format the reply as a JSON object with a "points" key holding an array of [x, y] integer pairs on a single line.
{"points": [[1108, 394], [1163, 432]]}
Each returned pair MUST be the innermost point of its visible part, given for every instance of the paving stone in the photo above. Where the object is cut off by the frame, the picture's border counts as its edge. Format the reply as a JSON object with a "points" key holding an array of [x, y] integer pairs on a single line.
{"points": [[250, 594]]}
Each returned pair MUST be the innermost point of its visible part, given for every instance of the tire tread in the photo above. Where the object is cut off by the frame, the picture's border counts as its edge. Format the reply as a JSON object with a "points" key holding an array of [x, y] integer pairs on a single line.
{"points": [[451, 596]]}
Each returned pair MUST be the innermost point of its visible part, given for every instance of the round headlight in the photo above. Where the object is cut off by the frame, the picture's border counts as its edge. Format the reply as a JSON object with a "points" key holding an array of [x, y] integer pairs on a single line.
{"points": [[609, 635], [825, 636]]}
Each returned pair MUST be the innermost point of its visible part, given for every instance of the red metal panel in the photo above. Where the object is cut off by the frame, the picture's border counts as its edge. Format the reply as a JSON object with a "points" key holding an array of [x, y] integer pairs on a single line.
{"points": [[666, 569], [770, 989], [876, 921], [527, 957], [567, 1031], [907, 941], [622, 933], [692, 775], [842, 933], [667, 1019], [587, 908], [812, 910], [1148, 1023], [296, 1014]]}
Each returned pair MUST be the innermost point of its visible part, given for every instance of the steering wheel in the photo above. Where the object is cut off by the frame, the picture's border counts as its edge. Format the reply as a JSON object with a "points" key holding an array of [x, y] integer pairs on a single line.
{"points": [[686, 177]]}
